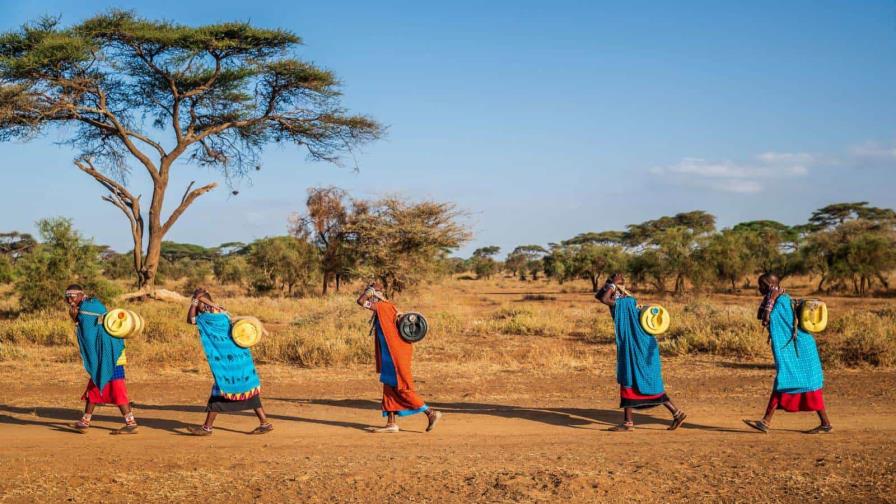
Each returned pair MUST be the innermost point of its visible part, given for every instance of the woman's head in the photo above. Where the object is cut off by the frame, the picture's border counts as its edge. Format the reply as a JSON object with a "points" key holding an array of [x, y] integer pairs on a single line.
{"points": [[375, 289], [206, 303], [767, 281], [74, 294], [616, 278]]}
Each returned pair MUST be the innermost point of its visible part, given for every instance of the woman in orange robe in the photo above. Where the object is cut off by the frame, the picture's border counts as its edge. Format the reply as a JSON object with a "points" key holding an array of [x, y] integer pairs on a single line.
{"points": [[393, 363]]}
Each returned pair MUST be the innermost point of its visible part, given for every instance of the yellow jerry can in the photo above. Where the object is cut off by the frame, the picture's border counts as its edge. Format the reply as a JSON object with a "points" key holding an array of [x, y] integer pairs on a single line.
{"points": [[121, 323], [813, 315], [655, 319], [246, 331]]}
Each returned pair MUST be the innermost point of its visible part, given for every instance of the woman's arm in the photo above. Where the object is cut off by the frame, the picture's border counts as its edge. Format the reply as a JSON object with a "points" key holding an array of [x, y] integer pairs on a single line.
{"points": [[191, 313], [194, 306], [607, 297]]}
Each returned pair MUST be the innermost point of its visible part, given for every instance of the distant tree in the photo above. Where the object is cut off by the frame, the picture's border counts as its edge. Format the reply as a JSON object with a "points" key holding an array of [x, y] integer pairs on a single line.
{"points": [[324, 225], [401, 243], [15, 244], [591, 256], [174, 251], [483, 262], [283, 264], [526, 259], [231, 269], [851, 243], [674, 242], [117, 85], [63, 257]]}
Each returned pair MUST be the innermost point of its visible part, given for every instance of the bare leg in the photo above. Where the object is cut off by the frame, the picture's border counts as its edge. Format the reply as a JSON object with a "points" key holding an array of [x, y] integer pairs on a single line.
{"points": [[627, 423], [763, 425], [210, 419], [671, 407], [678, 415], [823, 416], [770, 409], [263, 425], [89, 407]]}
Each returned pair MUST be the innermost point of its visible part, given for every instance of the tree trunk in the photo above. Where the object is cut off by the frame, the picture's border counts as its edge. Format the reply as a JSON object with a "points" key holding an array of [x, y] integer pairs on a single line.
{"points": [[326, 282], [338, 278], [595, 279], [883, 280], [821, 282], [679, 284]]}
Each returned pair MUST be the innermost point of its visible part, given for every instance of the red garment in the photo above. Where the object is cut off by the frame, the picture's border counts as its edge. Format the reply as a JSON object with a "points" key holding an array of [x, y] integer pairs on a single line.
{"points": [[403, 396], [394, 400], [630, 393], [115, 392], [806, 401]]}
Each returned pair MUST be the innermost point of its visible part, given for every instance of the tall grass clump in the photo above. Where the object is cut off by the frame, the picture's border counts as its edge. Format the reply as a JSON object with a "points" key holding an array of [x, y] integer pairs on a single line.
{"points": [[859, 339], [701, 327]]}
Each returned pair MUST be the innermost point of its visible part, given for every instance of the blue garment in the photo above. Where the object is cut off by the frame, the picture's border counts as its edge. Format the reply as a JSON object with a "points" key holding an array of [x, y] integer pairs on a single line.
{"points": [[231, 365], [637, 353], [797, 363], [408, 412], [99, 351], [387, 367]]}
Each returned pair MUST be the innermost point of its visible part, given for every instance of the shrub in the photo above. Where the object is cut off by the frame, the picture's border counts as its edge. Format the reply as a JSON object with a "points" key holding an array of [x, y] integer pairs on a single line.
{"points": [[64, 257]]}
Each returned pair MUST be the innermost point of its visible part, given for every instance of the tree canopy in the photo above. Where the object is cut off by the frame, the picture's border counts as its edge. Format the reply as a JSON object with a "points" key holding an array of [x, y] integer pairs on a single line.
{"points": [[134, 90]]}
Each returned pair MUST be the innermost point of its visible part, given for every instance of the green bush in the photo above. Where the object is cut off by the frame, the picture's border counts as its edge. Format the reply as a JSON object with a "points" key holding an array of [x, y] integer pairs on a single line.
{"points": [[64, 257]]}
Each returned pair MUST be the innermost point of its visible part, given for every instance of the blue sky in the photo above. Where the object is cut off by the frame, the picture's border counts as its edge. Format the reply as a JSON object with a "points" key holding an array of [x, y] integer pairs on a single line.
{"points": [[542, 119]]}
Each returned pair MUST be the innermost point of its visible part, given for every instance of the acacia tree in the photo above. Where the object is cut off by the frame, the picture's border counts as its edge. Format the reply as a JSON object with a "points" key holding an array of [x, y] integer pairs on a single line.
{"points": [[154, 93], [670, 243], [324, 226], [401, 243], [484, 264]]}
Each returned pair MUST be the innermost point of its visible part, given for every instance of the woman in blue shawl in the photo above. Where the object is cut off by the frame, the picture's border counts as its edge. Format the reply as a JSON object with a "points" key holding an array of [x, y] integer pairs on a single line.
{"points": [[236, 386], [638, 369], [103, 357], [798, 379]]}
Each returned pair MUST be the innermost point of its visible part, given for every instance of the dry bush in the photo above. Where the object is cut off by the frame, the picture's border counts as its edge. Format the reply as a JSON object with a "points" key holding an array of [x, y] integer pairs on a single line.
{"points": [[701, 327]]}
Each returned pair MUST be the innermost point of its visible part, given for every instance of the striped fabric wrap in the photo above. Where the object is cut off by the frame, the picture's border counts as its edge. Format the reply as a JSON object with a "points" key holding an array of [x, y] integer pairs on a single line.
{"points": [[242, 396], [231, 365]]}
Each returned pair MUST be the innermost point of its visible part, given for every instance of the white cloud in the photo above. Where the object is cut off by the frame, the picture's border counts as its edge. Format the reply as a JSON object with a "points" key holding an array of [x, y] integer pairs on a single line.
{"points": [[875, 152], [744, 178]]}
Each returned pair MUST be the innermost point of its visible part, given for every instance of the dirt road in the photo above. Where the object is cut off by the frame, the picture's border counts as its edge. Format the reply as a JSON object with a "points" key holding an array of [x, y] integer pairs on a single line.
{"points": [[511, 436]]}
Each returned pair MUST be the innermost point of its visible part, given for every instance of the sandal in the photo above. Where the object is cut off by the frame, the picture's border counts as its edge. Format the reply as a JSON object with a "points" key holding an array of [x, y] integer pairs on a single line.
{"points": [[388, 429], [263, 428], [433, 420], [821, 429], [81, 426], [127, 429], [623, 427], [677, 420], [758, 425], [199, 430]]}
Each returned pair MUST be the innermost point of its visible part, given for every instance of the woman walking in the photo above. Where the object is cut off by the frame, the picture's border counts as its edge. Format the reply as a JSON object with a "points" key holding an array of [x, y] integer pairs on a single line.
{"points": [[236, 386], [638, 369], [799, 379]]}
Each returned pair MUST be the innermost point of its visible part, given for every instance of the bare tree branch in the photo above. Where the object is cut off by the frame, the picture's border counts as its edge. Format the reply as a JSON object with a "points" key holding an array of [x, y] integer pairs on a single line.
{"points": [[187, 200]]}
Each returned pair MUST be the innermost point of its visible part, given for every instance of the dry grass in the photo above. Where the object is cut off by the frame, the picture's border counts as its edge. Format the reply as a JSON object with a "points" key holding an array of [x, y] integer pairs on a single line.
{"points": [[493, 324]]}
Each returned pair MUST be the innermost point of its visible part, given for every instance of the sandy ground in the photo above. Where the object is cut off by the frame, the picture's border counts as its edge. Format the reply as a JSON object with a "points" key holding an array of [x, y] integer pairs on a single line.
{"points": [[506, 437]]}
